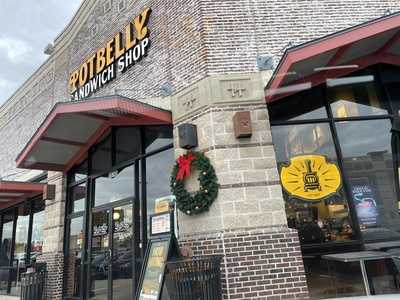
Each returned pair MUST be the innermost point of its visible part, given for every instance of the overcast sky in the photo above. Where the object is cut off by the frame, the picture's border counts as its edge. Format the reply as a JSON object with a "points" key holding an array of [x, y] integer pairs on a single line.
{"points": [[26, 27]]}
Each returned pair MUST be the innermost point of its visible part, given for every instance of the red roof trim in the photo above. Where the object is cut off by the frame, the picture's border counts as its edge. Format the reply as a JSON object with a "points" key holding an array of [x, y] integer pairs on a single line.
{"points": [[28, 189], [338, 40], [144, 115]]}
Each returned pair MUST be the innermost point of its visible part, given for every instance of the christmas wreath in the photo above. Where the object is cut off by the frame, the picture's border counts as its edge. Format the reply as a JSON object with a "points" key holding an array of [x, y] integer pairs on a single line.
{"points": [[200, 201]]}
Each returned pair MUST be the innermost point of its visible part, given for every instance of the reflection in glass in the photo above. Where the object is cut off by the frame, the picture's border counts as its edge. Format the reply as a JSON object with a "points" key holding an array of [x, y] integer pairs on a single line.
{"points": [[74, 259], [354, 96], [122, 253], [5, 249], [80, 172], [128, 143], [157, 137], [158, 169], [21, 245], [37, 235], [321, 221], [101, 158], [118, 186], [309, 105], [347, 280], [100, 256], [368, 162], [21, 235], [78, 197]]}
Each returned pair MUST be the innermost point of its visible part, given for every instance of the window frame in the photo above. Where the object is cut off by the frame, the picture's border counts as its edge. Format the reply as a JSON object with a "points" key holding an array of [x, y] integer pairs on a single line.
{"points": [[382, 94], [140, 210]]}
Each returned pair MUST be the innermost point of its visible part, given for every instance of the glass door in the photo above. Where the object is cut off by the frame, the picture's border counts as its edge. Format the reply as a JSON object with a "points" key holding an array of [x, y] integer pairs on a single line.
{"points": [[100, 256], [111, 254], [122, 254]]}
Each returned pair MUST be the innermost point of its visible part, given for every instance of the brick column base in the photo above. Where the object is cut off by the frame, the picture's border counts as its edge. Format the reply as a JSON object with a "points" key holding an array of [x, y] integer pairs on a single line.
{"points": [[262, 263], [55, 268]]}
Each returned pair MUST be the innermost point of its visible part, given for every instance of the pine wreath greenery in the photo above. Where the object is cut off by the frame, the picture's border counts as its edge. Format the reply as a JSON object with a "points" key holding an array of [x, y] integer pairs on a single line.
{"points": [[200, 201]]}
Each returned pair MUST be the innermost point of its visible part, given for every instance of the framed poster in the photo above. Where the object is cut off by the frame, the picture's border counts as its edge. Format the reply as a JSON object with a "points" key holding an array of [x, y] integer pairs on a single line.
{"points": [[152, 276], [161, 223], [364, 198]]}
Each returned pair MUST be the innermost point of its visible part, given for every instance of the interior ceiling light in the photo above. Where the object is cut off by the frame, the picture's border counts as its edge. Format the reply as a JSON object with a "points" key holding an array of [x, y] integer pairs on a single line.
{"points": [[349, 80]]}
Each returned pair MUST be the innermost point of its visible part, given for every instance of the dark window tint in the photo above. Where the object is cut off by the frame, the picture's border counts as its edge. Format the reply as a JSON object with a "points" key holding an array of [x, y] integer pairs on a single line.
{"points": [[158, 170], [101, 158], [80, 172], [128, 143], [355, 96], [78, 198], [157, 137], [300, 106], [368, 164], [6, 238]]}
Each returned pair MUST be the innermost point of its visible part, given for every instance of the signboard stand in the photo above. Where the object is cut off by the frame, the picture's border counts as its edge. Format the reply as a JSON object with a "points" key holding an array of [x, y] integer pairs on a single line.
{"points": [[162, 247]]}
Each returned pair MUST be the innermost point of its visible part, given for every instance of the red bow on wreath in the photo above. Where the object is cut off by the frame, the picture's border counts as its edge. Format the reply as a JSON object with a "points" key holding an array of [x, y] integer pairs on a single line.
{"points": [[184, 166]]}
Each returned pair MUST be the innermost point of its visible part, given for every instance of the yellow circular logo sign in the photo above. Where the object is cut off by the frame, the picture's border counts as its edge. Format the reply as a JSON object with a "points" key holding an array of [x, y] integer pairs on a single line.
{"points": [[311, 177]]}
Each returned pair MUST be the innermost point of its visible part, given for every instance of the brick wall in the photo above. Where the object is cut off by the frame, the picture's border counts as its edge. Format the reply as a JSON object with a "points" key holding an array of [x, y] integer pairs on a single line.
{"points": [[55, 267], [257, 264], [53, 231], [236, 31], [191, 40]]}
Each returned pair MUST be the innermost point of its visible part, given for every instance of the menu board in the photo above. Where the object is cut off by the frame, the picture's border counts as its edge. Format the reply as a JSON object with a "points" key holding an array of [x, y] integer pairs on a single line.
{"points": [[160, 223], [153, 270]]}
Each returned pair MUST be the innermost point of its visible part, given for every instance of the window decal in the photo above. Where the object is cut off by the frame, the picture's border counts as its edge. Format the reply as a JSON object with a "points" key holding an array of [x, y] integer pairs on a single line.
{"points": [[310, 177]]}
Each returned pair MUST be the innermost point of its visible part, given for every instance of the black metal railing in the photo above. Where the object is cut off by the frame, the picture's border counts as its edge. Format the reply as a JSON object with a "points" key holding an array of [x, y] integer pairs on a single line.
{"points": [[33, 285], [194, 279]]}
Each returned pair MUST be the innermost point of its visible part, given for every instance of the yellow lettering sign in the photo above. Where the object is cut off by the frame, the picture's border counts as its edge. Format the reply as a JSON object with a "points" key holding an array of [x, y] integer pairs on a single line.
{"points": [[114, 52]]}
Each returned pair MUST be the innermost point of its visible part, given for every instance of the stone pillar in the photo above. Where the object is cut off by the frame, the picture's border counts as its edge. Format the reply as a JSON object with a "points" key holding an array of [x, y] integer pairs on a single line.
{"points": [[247, 223], [54, 218]]}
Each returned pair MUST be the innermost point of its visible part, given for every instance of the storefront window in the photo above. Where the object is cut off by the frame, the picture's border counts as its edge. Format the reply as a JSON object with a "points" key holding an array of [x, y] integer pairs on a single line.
{"points": [[365, 207], [119, 185], [5, 249], [157, 137], [158, 178], [368, 163], [309, 105], [37, 234], [128, 143], [355, 96], [101, 157], [78, 198], [21, 235], [319, 219], [122, 253], [114, 190], [80, 172]]}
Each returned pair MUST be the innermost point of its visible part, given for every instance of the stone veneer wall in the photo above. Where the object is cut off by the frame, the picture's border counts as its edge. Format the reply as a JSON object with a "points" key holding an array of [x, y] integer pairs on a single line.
{"points": [[247, 223]]}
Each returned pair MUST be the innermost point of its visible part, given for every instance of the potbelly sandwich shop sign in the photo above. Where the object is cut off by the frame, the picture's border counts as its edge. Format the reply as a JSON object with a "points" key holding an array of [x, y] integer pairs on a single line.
{"points": [[119, 54]]}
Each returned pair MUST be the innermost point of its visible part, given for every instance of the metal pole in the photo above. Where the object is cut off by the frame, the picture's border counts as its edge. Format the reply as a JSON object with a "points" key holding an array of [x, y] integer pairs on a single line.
{"points": [[365, 278]]}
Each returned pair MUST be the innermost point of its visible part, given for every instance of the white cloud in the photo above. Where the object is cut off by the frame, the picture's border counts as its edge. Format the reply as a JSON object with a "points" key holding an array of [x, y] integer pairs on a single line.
{"points": [[17, 51]]}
